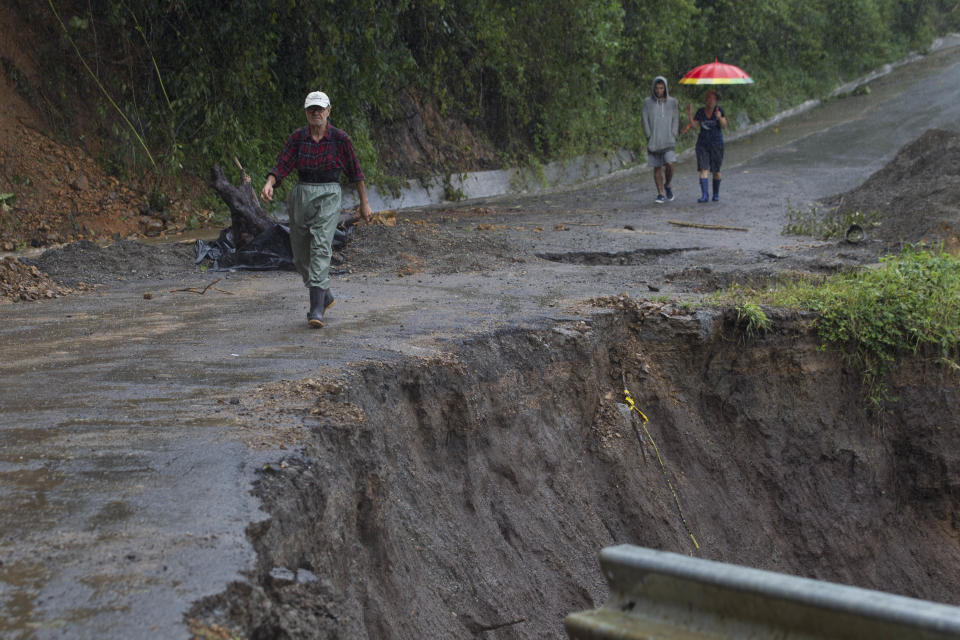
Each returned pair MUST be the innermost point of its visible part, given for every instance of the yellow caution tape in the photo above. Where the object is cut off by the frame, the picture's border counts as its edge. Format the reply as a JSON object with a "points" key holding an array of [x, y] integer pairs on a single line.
{"points": [[633, 407], [643, 422]]}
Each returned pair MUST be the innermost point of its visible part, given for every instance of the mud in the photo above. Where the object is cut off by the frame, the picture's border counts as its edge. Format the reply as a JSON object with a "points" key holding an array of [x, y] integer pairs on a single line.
{"points": [[92, 263], [473, 492], [435, 244]]}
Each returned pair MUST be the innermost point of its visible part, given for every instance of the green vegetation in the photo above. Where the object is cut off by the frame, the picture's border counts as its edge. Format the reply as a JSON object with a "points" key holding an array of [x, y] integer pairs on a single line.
{"points": [[184, 85], [751, 319], [827, 225], [909, 303], [5, 200]]}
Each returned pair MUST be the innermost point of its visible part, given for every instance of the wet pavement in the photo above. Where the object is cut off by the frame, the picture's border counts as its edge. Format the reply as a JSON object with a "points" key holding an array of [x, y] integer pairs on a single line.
{"points": [[125, 476]]}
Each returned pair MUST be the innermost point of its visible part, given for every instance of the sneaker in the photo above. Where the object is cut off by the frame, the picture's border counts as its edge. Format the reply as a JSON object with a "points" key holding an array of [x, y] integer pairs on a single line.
{"points": [[669, 193], [660, 199]]}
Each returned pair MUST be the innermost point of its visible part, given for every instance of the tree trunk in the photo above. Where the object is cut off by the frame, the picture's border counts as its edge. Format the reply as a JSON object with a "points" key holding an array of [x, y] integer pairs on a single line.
{"points": [[246, 216]]}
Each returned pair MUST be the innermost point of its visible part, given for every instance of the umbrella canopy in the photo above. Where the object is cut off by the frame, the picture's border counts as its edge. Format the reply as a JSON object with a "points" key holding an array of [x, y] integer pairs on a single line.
{"points": [[716, 73]]}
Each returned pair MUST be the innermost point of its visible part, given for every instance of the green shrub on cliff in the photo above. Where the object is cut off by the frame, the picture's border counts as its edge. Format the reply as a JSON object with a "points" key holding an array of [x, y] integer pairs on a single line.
{"points": [[907, 304], [910, 303]]}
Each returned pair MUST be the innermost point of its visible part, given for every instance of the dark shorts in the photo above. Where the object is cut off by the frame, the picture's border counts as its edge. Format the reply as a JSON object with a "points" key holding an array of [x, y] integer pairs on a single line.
{"points": [[709, 158]]}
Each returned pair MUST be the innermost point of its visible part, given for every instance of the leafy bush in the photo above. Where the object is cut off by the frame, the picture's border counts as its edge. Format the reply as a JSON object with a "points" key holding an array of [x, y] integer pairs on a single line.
{"points": [[198, 83]]}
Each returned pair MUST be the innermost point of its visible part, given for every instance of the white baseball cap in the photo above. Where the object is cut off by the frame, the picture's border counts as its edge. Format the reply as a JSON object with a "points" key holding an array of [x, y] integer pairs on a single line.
{"points": [[316, 99]]}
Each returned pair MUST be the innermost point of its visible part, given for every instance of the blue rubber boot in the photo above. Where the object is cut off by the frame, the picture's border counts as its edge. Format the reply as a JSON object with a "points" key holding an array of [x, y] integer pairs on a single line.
{"points": [[716, 189], [704, 193]]}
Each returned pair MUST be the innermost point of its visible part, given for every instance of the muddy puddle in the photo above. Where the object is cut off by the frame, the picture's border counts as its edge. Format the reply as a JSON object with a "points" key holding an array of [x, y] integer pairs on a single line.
{"points": [[468, 495]]}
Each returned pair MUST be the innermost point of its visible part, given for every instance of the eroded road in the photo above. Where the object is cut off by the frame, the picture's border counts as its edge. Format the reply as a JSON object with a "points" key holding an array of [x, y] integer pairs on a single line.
{"points": [[127, 457]]}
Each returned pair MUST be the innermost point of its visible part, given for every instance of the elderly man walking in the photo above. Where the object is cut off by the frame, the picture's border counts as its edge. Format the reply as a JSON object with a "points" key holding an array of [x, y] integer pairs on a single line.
{"points": [[661, 123]]}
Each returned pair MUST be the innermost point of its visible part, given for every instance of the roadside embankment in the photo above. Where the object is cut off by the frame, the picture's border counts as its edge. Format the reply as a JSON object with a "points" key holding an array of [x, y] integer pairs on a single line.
{"points": [[459, 494]]}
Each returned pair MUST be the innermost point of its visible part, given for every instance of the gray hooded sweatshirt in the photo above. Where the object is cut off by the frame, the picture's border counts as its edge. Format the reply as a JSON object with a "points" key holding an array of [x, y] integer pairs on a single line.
{"points": [[661, 119]]}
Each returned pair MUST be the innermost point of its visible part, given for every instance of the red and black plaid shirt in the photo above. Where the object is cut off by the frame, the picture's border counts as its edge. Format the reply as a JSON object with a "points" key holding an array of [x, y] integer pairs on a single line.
{"points": [[328, 157]]}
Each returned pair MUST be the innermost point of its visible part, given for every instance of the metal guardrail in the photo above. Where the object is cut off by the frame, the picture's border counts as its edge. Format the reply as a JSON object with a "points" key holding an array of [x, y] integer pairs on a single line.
{"points": [[667, 596]]}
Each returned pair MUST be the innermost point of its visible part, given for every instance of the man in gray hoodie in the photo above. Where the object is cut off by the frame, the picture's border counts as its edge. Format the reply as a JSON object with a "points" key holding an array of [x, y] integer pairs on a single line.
{"points": [[661, 123]]}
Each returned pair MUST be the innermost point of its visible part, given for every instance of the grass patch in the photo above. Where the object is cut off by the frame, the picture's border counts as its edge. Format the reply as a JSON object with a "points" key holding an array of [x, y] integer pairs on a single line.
{"points": [[909, 302], [827, 225], [751, 319]]}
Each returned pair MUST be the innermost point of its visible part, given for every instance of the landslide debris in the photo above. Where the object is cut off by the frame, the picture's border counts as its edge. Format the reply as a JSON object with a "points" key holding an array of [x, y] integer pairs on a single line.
{"points": [[60, 194], [87, 261], [917, 194], [412, 246], [21, 282], [55, 193]]}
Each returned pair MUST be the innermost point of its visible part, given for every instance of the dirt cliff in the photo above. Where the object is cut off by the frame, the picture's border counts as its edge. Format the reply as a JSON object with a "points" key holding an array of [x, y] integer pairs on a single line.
{"points": [[474, 492]]}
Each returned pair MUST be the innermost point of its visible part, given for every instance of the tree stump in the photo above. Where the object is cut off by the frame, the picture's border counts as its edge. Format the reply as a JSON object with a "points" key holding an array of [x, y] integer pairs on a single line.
{"points": [[247, 219]]}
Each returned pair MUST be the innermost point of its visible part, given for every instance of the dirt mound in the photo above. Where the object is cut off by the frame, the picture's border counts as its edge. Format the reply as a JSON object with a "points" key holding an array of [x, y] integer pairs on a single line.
{"points": [[60, 194], [20, 282], [53, 186], [917, 193], [53, 193], [123, 260], [413, 246]]}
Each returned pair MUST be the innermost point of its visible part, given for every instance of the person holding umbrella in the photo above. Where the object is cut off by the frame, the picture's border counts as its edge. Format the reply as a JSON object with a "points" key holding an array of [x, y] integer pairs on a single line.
{"points": [[711, 121], [319, 152]]}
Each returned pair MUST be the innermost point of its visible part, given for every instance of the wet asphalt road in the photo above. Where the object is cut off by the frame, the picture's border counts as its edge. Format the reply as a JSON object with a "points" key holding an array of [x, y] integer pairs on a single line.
{"points": [[125, 485]]}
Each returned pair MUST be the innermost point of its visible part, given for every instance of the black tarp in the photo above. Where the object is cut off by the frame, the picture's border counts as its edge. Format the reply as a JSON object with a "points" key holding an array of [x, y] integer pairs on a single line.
{"points": [[268, 251]]}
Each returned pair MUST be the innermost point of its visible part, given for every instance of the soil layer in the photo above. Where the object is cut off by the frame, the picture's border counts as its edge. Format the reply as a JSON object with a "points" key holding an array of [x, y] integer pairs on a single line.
{"points": [[473, 491]]}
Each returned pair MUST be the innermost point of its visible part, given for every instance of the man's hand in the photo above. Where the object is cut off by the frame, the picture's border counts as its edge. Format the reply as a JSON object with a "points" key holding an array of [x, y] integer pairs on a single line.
{"points": [[365, 212], [267, 192]]}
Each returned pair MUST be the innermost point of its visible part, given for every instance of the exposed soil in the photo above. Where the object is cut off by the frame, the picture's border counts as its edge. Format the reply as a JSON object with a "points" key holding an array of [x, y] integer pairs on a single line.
{"points": [[917, 193], [473, 494], [423, 143], [53, 188], [470, 494], [61, 194], [445, 243], [21, 282]]}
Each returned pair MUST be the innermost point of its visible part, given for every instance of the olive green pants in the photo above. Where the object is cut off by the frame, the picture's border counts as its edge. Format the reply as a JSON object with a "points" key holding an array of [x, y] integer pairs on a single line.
{"points": [[314, 211]]}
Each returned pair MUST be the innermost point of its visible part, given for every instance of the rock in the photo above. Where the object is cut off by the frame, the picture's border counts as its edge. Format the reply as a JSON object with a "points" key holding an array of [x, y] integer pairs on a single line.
{"points": [[281, 576], [306, 577], [80, 182]]}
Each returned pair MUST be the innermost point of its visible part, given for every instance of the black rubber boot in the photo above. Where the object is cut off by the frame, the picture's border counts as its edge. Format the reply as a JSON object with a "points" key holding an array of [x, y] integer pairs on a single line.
{"points": [[328, 299], [317, 300]]}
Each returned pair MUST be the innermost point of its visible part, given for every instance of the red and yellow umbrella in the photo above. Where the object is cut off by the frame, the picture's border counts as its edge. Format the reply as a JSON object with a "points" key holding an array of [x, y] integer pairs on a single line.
{"points": [[716, 72]]}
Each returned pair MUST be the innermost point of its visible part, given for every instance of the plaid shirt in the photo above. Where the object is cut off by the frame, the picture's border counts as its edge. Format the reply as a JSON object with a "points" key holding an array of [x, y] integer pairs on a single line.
{"points": [[333, 152]]}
